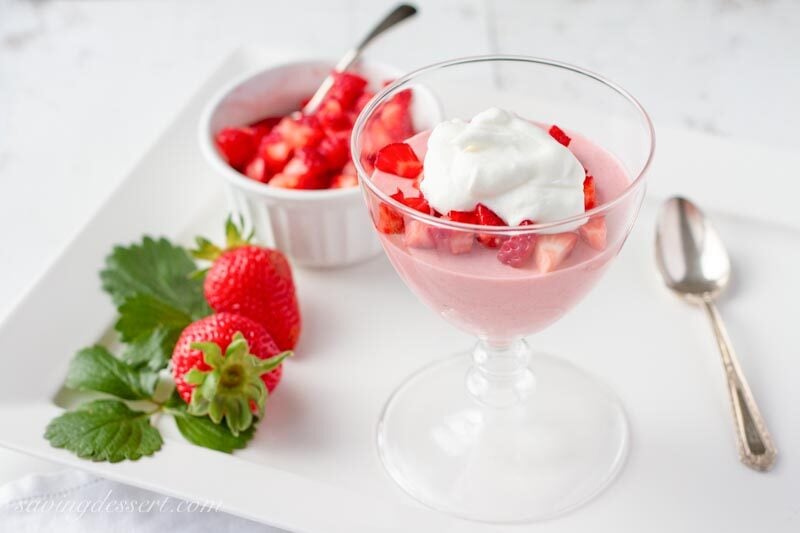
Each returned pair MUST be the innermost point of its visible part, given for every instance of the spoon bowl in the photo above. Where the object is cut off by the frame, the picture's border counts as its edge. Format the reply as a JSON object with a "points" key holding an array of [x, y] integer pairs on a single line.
{"points": [[690, 254]]}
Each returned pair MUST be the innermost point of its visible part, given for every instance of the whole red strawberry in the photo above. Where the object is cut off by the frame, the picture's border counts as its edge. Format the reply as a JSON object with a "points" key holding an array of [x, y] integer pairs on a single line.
{"points": [[223, 362], [252, 281]]}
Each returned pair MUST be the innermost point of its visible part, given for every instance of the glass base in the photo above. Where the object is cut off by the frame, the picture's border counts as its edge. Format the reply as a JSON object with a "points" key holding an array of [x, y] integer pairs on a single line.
{"points": [[559, 444]]}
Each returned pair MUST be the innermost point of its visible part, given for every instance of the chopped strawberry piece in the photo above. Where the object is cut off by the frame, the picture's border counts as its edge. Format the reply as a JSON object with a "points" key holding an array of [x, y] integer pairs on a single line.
{"points": [[460, 242], [306, 162], [335, 150], [418, 235], [275, 152], [300, 132], [403, 98], [347, 177], [349, 168], [480, 215], [284, 181], [552, 249], [464, 217], [418, 203], [395, 115], [389, 220], [375, 138], [487, 217], [399, 159], [346, 89], [594, 233], [418, 181], [456, 242], [343, 181], [329, 107], [264, 126], [516, 250], [257, 170], [331, 116], [368, 164], [333, 122], [489, 240], [237, 145], [559, 135], [309, 167], [589, 193], [267, 123], [362, 101]]}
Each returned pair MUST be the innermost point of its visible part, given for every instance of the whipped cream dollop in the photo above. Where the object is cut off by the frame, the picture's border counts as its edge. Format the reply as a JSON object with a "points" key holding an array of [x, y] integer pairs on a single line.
{"points": [[504, 162]]}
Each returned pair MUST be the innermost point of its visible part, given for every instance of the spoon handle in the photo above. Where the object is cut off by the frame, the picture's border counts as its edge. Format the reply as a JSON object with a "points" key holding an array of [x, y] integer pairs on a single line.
{"points": [[398, 14], [756, 448]]}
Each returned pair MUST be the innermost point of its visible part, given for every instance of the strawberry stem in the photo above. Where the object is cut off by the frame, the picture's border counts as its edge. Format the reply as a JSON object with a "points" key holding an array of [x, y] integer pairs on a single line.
{"points": [[234, 238]]}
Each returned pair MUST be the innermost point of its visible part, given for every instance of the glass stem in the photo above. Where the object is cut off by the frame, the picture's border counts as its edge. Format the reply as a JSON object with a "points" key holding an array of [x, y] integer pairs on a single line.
{"points": [[500, 376]]}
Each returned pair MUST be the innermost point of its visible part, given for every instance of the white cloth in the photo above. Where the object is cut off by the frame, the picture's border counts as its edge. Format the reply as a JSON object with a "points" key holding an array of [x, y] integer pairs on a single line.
{"points": [[71, 501]]}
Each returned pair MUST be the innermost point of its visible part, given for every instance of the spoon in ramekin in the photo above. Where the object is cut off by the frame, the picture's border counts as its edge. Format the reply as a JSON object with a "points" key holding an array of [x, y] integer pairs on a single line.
{"points": [[397, 15]]}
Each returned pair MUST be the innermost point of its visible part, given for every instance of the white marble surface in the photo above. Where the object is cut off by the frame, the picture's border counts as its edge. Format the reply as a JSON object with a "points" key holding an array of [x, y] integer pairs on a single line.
{"points": [[86, 86]]}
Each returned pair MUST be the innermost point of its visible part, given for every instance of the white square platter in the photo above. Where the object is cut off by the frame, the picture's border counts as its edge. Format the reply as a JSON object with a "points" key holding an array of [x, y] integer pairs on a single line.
{"points": [[313, 467]]}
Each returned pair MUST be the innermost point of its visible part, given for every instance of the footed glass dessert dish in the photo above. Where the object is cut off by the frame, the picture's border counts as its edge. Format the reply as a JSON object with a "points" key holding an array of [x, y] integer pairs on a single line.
{"points": [[471, 215]]}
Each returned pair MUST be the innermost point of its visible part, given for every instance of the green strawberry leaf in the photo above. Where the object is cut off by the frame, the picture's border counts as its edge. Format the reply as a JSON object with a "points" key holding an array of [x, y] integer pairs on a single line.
{"points": [[95, 369], [151, 350], [202, 431], [156, 268], [105, 430], [142, 314]]}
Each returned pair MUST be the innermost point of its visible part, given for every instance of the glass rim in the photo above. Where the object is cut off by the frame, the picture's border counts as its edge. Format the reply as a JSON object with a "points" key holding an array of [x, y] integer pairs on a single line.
{"points": [[368, 110]]}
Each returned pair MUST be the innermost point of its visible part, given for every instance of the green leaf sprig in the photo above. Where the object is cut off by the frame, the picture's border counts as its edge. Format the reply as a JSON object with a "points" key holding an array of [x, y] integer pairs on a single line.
{"points": [[157, 294]]}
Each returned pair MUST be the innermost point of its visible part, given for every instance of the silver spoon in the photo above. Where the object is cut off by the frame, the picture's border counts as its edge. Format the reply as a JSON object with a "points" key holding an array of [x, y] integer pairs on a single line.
{"points": [[398, 14], [694, 263]]}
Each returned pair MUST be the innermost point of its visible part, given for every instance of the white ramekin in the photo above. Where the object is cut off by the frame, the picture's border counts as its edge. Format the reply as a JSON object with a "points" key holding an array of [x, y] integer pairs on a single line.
{"points": [[315, 228]]}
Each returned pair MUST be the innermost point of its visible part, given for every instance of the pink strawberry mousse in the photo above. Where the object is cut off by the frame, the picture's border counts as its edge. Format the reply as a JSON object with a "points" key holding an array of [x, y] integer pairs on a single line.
{"points": [[468, 285]]}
